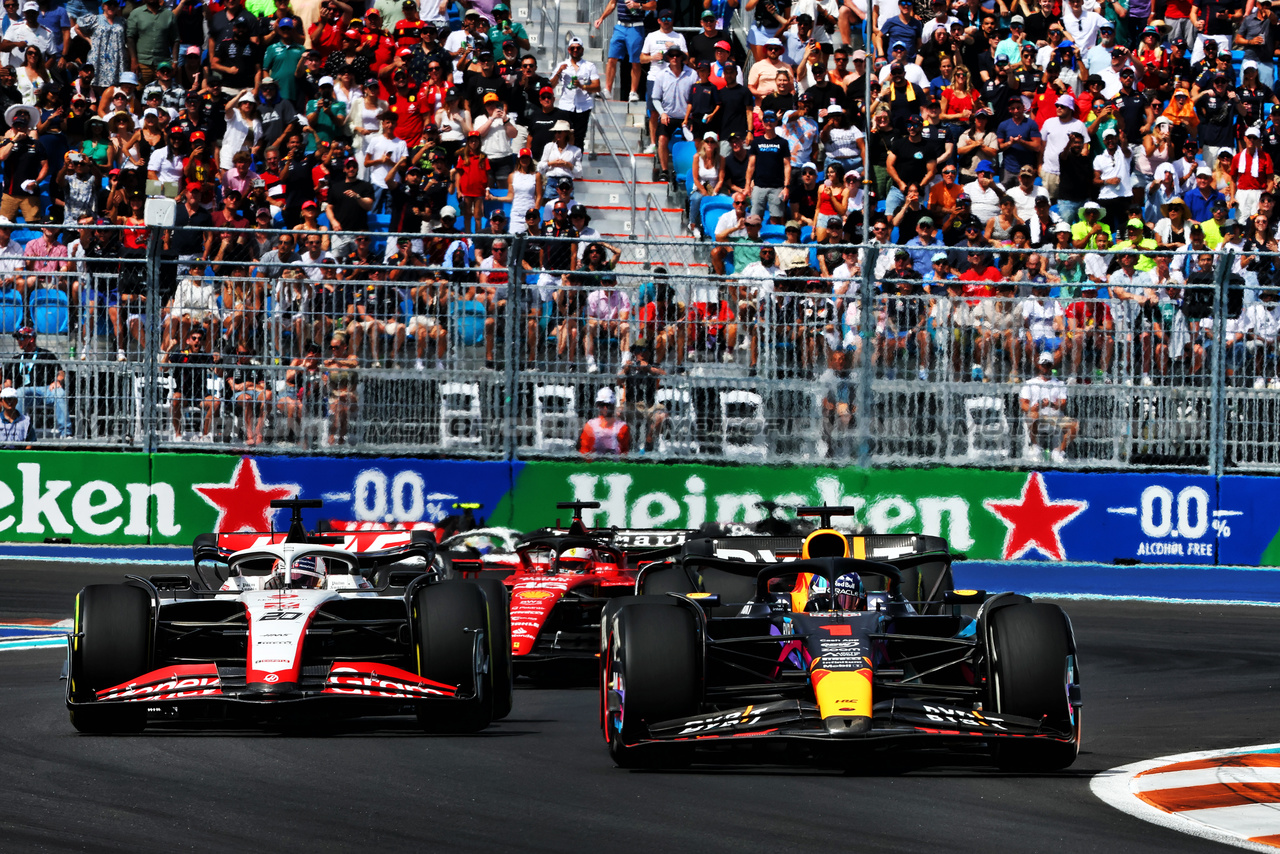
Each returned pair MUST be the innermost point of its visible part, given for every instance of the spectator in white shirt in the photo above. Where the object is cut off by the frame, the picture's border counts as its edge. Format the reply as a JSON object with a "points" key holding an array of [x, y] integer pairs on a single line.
{"points": [[381, 152]]}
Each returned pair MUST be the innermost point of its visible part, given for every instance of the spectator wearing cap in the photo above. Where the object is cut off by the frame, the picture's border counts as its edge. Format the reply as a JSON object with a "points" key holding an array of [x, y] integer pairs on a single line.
{"points": [[702, 45], [105, 33], [326, 115], [481, 77], [704, 103], [1254, 173], [719, 75], [653, 53], [152, 36], [707, 178], [1056, 134], [36, 374], [670, 106], [579, 80], [30, 30], [348, 56], [762, 79], [1113, 178], [1201, 198], [801, 132], [905, 27], [769, 170], [799, 46], [844, 144], [526, 89], [25, 166], [15, 427], [561, 160], [542, 121], [908, 162], [237, 58], [904, 98], [923, 246], [275, 113], [1254, 36], [497, 129], [80, 180], [504, 29], [562, 194], [1216, 107], [325, 34], [244, 127], [605, 435]]}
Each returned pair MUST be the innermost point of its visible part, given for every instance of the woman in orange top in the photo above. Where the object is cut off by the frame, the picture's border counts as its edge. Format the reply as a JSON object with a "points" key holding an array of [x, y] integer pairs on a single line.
{"points": [[471, 176], [1182, 112]]}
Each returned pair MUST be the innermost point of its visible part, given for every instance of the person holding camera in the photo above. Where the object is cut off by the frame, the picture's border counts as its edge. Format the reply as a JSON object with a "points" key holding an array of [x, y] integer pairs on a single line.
{"points": [[25, 165]]}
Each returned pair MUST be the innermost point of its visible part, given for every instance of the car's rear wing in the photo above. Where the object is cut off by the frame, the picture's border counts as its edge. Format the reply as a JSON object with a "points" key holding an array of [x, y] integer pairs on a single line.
{"points": [[371, 548]]}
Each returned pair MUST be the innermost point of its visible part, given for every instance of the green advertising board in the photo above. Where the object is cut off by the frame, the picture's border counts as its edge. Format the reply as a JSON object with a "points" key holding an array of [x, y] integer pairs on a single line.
{"points": [[946, 502]]}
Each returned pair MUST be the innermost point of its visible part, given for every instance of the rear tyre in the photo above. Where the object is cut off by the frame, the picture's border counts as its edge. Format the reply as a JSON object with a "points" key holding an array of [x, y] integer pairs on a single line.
{"points": [[650, 674], [447, 616], [112, 646], [500, 674], [1033, 668]]}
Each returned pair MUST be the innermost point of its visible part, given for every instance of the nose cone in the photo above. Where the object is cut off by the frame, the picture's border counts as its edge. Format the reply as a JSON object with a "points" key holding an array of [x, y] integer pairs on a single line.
{"points": [[848, 727]]}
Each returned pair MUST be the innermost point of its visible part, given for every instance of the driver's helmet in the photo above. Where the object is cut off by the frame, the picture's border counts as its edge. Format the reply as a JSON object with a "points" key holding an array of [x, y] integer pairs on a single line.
{"points": [[574, 560], [307, 574], [819, 595], [848, 593]]}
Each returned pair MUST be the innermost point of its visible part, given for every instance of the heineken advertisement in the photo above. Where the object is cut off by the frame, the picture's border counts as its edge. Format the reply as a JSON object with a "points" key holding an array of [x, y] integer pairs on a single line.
{"points": [[990, 515]]}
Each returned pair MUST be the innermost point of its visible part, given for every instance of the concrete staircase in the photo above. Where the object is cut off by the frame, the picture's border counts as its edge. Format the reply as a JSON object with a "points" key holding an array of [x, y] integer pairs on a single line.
{"points": [[605, 188]]}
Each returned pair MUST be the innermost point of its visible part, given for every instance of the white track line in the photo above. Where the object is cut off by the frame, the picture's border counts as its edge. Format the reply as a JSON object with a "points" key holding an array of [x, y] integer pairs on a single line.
{"points": [[1228, 825]]}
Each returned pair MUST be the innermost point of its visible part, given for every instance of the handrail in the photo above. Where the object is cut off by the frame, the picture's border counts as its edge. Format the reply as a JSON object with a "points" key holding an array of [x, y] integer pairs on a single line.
{"points": [[542, 30], [651, 206], [622, 140]]}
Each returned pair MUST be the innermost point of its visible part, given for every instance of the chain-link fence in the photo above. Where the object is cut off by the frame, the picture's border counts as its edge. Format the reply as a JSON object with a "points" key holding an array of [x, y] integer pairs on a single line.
{"points": [[758, 350]]}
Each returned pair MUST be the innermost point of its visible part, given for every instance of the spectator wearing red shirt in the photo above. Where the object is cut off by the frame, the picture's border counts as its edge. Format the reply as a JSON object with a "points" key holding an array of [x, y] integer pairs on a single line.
{"points": [[471, 177], [1089, 322], [605, 435], [408, 31], [326, 33], [980, 276], [410, 107], [1253, 172]]}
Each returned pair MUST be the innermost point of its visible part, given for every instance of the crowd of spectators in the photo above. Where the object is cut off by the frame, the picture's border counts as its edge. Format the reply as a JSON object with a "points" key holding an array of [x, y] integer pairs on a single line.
{"points": [[1038, 135], [1051, 179]]}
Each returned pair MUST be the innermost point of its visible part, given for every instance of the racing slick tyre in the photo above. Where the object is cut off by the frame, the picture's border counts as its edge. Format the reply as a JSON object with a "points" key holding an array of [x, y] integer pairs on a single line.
{"points": [[447, 616], [111, 645], [1032, 673], [650, 674], [500, 674]]}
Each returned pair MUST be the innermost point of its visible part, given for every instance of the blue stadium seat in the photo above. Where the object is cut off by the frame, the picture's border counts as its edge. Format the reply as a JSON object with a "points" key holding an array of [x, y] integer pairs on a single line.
{"points": [[773, 233], [712, 207], [470, 324], [682, 154], [25, 235], [50, 309], [10, 311]]}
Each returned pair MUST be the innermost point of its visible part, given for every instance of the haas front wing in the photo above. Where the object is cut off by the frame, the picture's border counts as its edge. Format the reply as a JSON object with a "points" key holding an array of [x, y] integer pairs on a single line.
{"points": [[277, 647]]}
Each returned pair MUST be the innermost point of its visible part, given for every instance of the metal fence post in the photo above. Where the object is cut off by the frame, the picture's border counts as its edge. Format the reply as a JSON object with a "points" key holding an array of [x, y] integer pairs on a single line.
{"points": [[867, 333], [152, 351], [1218, 366], [516, 294]]}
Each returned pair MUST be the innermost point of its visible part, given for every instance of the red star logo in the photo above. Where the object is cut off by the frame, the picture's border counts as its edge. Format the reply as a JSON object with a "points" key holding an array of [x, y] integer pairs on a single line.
{"points": [[244, 504], [1034, 521]]}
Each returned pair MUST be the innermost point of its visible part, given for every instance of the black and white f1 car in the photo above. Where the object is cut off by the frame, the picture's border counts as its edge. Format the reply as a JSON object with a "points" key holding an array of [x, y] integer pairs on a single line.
{"points": [[826, 653], [274, 623]]}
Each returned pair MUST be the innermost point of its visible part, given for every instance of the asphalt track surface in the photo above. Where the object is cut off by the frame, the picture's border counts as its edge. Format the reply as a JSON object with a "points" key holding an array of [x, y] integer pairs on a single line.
{"points": [[1158, 679]]}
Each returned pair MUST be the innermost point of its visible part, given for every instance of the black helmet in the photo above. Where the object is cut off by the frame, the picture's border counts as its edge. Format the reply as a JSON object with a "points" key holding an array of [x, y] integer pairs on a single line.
{"points": [[579, 210]]}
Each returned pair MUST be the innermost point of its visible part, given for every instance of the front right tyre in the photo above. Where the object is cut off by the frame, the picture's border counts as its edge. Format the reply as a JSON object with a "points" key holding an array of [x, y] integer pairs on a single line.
{"points": [[110, 646]]}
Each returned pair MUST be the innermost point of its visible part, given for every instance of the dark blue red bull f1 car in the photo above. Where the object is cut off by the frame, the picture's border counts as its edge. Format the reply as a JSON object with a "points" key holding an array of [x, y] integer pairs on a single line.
{"points": [[827, 653]]}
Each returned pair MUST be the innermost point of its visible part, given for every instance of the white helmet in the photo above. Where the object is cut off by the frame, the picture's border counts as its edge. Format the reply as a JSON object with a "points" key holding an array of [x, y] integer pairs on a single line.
{"points": [[307, 574]]}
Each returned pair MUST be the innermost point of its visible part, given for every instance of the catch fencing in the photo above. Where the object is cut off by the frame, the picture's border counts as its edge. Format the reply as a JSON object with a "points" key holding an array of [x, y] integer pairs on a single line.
{"points": [[500, 346]]}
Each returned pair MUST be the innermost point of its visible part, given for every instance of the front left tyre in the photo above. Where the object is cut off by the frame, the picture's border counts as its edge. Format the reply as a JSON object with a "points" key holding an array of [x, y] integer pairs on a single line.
{"points": [[448, 617]]}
